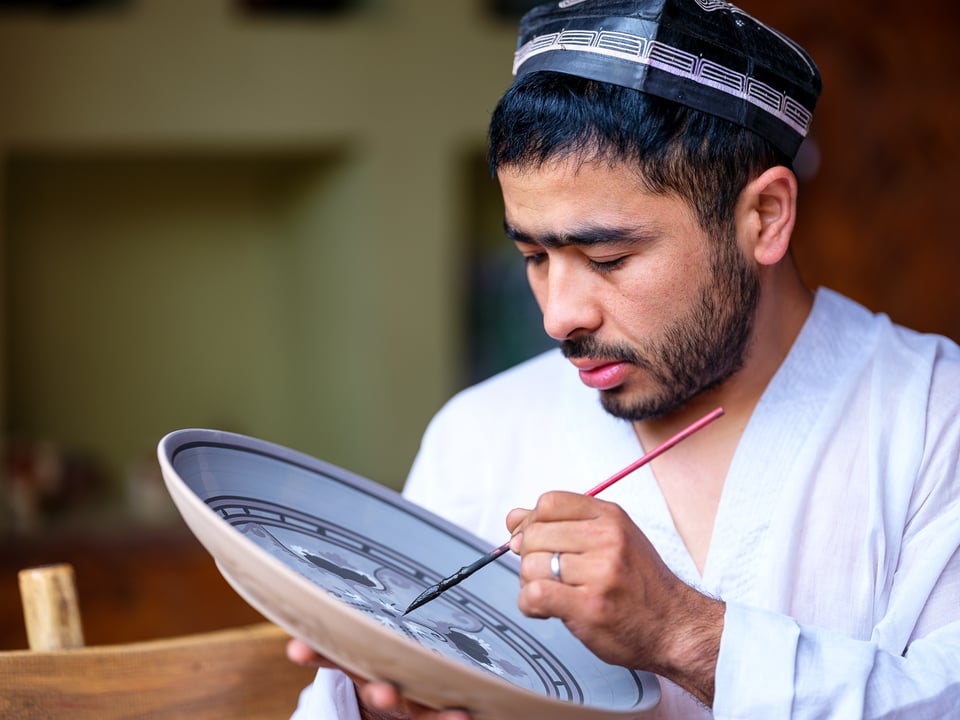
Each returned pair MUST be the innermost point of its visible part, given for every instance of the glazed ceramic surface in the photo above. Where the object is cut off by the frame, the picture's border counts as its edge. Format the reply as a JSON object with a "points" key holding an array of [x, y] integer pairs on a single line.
{"points": [[335, 559]]}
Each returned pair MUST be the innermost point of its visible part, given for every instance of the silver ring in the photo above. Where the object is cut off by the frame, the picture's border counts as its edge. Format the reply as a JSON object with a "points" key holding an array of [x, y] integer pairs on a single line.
{"points": [[555, 567]]}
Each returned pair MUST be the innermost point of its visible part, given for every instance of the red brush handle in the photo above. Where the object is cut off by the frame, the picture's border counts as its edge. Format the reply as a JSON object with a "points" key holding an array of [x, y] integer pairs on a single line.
{"points": [[662, 447]]}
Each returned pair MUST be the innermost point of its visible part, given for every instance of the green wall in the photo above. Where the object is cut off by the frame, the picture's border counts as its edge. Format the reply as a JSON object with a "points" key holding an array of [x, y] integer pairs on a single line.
{"points": [[256, 225]]}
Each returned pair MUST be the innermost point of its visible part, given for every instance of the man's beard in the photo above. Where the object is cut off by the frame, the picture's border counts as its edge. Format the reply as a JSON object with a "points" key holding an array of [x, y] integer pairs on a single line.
{"points": [[696, 352]]}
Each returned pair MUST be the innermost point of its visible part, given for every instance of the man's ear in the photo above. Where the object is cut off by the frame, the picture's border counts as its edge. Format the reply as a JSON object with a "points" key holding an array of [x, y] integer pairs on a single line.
{"points": [[769, 202]]}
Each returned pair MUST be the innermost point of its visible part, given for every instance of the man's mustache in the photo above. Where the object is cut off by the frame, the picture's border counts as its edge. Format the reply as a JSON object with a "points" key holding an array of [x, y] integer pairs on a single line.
{"points": [[589, 347]]}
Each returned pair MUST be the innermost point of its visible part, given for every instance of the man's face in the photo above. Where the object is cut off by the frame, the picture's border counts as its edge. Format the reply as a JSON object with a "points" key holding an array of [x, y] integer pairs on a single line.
{"points": [[649, 309]]}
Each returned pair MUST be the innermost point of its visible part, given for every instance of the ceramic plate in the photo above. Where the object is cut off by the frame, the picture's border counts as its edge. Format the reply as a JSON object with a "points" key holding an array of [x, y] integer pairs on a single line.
{"points": [[335, 559]]}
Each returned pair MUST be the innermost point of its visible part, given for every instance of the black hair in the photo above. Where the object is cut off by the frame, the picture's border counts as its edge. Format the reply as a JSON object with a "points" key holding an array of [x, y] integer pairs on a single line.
{"points": [[705, 160]]}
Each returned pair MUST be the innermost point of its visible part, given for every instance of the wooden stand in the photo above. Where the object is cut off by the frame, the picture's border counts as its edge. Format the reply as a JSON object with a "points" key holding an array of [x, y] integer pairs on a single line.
{"points": [[240, 672]]}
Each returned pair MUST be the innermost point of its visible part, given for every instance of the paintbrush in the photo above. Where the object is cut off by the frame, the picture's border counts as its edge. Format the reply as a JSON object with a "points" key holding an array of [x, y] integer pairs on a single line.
{"points": [[435, 591]]}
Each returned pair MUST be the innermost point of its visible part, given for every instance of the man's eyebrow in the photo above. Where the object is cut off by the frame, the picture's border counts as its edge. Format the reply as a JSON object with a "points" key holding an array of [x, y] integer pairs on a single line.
{"points": [[583, 236]]}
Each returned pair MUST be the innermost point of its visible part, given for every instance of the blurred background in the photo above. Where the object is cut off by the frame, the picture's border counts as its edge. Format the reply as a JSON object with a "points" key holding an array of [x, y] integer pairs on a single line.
{"points": [[274, 217]]}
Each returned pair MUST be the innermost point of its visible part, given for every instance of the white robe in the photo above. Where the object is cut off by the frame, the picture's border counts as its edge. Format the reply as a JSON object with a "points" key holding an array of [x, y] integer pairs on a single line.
{"points": [[836, 539]]}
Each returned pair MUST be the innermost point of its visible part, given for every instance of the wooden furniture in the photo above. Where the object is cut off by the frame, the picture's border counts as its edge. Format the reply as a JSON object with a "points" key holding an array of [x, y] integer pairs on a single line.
{"points": [[241, 672], [133, 583]]}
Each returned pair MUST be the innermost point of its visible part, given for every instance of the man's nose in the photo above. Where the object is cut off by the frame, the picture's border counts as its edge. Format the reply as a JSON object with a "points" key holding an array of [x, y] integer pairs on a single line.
{"points": [[569, 307]]}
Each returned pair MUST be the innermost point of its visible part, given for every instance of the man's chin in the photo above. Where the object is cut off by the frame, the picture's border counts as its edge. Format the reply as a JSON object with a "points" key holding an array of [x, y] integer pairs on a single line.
{"points": [[619, 403]]}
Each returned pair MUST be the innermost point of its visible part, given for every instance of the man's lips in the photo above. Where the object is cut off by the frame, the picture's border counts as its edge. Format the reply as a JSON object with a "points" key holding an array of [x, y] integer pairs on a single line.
{"points": [[602, 375]]}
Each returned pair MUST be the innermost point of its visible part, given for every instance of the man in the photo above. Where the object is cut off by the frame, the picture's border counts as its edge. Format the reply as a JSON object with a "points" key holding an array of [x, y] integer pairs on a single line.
{"points": [[797, 558]]}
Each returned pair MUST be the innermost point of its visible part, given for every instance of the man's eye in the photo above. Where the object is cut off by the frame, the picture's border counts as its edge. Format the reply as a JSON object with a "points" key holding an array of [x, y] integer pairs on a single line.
{"points": [[606, 266], [533, 259]]}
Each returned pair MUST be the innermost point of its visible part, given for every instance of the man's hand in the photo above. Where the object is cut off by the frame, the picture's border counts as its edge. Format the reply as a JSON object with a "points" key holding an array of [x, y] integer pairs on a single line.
{"points": [[378, 700], [615, 593]]}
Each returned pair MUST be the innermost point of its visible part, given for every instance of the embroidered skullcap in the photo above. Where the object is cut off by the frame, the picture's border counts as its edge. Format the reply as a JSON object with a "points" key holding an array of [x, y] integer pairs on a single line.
{"points": [[705, 54]]}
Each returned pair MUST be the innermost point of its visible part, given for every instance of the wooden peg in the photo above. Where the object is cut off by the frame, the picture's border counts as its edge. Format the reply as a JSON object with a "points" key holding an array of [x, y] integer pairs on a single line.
{"points": [[50, 608]]}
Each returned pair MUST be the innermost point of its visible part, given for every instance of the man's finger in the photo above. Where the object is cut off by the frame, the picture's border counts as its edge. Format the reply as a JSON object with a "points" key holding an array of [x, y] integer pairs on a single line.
{"points": [[302, 654]]}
